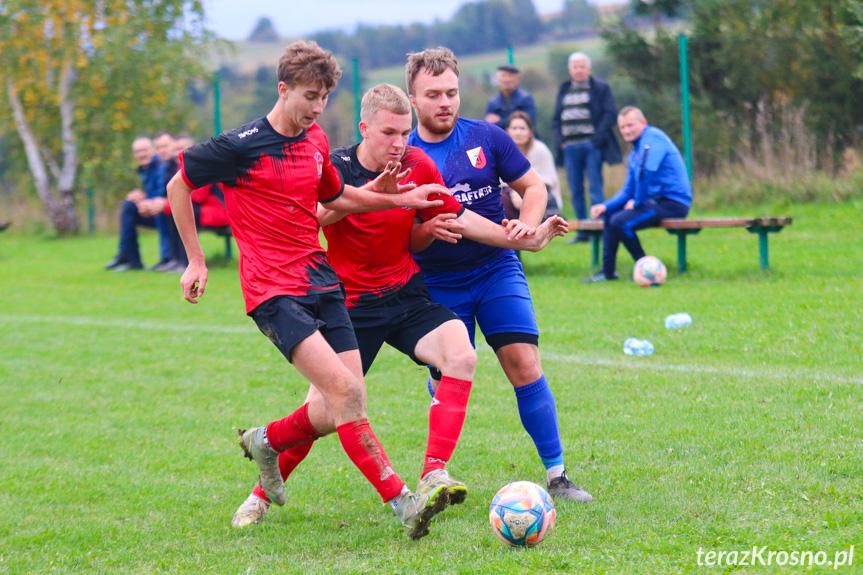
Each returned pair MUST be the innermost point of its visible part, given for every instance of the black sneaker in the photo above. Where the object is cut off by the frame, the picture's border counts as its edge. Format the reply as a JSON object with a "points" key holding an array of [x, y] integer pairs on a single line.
{"points": [[162, 266], [117, 261], [562, 488], [600, 277], [126, 267]]}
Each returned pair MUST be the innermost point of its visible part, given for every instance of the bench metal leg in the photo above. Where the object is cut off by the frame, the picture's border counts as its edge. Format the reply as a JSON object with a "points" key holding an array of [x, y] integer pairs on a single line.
{"points": [[229, 249], [681, 253], [763, 248], [681, 247], [594, 254]]}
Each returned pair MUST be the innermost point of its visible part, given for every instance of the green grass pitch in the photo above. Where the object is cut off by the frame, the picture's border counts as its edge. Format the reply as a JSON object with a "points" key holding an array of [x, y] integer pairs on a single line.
{"points": [[119, 404]]}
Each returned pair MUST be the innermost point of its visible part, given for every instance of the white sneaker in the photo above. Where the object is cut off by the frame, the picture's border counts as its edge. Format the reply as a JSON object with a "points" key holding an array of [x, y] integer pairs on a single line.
{"points": [[250, 512]]}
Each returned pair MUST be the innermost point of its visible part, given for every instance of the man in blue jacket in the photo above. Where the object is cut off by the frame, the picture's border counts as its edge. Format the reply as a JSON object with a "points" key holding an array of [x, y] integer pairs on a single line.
{"points": [[143, 207], [583, 122], [657, 187]]}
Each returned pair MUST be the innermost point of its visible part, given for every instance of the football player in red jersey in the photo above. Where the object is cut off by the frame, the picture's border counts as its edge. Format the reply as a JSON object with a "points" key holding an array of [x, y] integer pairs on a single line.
{"points": [[386, 296], [274, 171]]}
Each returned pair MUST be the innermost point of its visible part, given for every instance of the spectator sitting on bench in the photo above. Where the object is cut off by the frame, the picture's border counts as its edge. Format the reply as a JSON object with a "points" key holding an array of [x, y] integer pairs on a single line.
{"points": [[143, 207], [208, 204], [657, 187]]}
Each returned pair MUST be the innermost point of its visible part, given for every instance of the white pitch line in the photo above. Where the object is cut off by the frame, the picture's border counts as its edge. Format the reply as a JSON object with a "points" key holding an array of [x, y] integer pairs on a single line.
{"points": [[125, 324], [546, 354], [729, 372]]}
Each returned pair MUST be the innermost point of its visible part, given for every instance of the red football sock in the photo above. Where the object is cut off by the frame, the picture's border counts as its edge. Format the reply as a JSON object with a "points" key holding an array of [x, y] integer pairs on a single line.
{"points": [[288, 461], [363, 448], [446, 418], [292, 430]]}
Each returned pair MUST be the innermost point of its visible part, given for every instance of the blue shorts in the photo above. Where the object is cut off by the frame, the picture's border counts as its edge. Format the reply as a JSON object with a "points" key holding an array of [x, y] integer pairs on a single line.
{"points": [[495, 296]]}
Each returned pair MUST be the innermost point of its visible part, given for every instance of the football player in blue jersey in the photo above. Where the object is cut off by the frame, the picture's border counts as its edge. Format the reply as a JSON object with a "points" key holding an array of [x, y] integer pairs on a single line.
{"points": [[482, 284]]}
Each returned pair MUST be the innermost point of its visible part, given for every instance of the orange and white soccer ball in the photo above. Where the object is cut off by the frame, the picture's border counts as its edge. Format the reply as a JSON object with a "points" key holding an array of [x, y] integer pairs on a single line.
{"points": [[649, 271]]}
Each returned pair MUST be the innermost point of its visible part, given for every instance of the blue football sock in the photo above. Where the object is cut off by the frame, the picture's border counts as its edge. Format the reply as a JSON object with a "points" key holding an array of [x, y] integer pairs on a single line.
{"points": [[539, 418]]}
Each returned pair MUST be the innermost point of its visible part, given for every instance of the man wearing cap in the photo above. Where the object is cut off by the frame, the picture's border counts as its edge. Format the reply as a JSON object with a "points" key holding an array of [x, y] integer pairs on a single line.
{"points": [[509, 99]]}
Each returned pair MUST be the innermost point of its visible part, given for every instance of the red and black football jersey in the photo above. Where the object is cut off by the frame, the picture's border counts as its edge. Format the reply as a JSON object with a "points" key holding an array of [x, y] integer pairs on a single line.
{"points": [[371, 252], [272, 186]]}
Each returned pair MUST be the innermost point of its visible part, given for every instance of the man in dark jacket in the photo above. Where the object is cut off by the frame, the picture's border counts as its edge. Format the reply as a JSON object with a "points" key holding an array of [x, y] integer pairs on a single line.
{"points": [[583, 122]]}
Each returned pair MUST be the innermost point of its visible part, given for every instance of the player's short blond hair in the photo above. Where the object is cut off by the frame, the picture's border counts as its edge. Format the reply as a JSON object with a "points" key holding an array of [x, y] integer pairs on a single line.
{"points": [[435, 61], [384, 97], [307, 64]]}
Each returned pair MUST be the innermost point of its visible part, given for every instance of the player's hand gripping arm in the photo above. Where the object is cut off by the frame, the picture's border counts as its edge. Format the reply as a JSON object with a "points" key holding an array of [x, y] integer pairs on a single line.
{"points": [[194, 279], [448, 228], [534, 196]]}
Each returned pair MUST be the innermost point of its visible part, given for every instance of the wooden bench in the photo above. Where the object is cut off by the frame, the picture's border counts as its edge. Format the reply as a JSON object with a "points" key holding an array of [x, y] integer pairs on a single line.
{"points": [[225, 232], [690, 227]]}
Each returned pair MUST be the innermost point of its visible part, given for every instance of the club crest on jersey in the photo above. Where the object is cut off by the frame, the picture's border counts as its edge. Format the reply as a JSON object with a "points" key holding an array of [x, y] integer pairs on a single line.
{"points": [[319, 160], [477, 158]]}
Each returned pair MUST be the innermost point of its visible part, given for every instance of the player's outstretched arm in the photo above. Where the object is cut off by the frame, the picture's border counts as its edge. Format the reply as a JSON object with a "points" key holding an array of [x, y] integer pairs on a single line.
{"points": [[360, 200], [485, 231], [534, 196], [194, 279]]}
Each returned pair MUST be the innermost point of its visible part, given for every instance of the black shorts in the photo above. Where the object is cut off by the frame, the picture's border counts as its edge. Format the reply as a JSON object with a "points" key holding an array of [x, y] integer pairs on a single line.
{"points": [[287, 320], [400, 319]]}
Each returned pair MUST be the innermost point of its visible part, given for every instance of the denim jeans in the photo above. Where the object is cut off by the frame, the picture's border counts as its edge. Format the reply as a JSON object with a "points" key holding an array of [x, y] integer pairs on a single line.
{"points": [[577, 158], [130, 219]]}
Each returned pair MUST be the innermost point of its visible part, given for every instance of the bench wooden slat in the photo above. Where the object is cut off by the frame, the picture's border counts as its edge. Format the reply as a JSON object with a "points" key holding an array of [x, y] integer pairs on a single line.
{"points": [[692, 224], [686, 227]]}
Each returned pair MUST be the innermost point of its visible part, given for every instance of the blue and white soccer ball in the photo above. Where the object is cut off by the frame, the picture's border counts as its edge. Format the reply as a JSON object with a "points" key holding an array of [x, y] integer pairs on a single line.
{"points": [[522, 514], [649, 271]]}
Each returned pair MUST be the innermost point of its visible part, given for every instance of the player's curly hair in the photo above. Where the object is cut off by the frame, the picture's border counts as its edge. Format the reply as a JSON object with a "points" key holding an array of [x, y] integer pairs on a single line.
{"points": [[384, 97], [435, 60], [306, 63]]}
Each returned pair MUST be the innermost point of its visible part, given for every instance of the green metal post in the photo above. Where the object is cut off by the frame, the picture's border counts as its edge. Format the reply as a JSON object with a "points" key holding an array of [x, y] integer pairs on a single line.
{"points": [[684, 103], [358, 97], [509, 56], [217, 104], [763, 254], [681, 253], [594, 254], [91, 210]]}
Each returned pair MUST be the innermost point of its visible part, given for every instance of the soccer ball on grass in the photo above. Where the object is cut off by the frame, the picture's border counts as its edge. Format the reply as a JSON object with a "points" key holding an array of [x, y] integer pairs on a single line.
{"points": [[649, 271], [522, 514]]}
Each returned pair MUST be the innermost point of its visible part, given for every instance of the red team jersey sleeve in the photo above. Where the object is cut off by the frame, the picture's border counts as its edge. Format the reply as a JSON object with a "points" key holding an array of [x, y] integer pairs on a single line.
{"points": [[426, 172], [331, 184]]}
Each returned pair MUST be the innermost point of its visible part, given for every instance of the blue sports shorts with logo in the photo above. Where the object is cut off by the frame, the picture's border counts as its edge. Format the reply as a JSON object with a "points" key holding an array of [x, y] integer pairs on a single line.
{"points": [[495, 297]]}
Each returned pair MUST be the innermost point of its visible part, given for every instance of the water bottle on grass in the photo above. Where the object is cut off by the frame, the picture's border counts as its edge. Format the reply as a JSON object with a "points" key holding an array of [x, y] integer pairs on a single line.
{"points": [[635, 346], [678, 320]]}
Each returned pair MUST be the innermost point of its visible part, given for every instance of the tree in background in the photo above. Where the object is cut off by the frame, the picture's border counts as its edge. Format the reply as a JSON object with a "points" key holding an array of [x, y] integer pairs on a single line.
{"points": [[264, 32], [81, 78], [475, 27], [770, 70], [578, 18]]}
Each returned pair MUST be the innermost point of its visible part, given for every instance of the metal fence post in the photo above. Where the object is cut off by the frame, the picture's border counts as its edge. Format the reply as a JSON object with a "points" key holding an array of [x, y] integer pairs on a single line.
{"points": [[684, 102]]}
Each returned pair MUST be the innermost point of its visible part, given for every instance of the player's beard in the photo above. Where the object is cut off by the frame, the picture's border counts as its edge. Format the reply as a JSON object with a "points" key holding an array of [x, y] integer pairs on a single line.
{"points": [[435, 126]]}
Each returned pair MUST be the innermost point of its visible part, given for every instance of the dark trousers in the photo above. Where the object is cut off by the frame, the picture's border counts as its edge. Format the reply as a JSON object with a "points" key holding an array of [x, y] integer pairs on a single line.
{"points": [[620, 227], [178, 250], [130, 219]]}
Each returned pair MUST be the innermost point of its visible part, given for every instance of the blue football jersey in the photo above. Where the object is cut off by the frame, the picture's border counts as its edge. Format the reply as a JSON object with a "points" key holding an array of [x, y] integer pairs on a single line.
{"points": [[472, 160]]}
